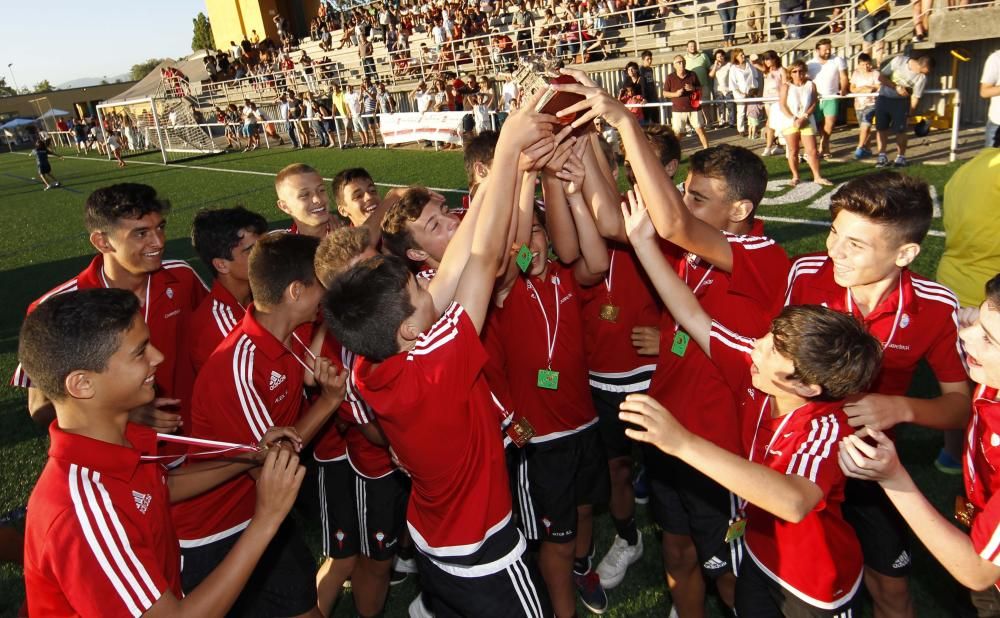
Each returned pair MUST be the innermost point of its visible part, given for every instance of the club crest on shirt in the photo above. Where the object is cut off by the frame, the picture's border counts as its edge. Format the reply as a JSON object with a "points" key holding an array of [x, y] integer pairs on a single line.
{"points": [[141, 501], [170, 292], [904, 320], [277, 380]]}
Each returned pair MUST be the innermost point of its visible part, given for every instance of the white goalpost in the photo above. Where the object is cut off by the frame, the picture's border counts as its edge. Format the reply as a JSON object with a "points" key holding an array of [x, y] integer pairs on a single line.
{"points": [[150, 124]]}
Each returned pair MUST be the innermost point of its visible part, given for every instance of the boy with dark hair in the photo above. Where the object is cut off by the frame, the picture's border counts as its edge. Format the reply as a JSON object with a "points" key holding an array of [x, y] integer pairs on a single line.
{"points": [[802, 557], [355, 194], [127, 225], [223, 239], [252, 381], [422, 371], [478, 156], [536, 336], [100, 506], [418, 229], [302, 196], [972, 558], [715, 244], [879, 221]]}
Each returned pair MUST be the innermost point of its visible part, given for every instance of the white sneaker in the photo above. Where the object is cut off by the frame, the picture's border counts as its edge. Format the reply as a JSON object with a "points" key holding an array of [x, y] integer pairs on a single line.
{"points": [[766, 153], [404, 565], [418, 610], [619, 558]]}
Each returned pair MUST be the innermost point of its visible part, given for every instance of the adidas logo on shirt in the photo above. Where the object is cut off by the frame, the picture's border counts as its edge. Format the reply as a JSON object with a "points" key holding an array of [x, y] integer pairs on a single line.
{"points": [[276, 380], [141, 501], [902, 561]]}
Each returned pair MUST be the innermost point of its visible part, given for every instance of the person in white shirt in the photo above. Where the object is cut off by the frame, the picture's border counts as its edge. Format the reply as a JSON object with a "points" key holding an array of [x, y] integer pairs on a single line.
{"points": [[422, 98], [864, 80], [743, 77], [829, 73], [903, 81], [989, 88]]}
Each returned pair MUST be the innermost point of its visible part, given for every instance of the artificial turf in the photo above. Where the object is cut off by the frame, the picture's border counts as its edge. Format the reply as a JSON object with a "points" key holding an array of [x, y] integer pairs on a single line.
{"points": [[45, 244]]}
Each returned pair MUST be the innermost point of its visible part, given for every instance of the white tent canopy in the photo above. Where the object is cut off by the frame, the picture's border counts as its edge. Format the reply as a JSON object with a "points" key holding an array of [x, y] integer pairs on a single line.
{"points": [[54, 113]]}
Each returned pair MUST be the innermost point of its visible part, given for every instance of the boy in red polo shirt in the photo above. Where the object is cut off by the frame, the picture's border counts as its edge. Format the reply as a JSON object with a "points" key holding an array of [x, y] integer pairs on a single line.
{"points": [[879, 221], [127, 225], [253, 381], [362, 494], [99, 539], [802, 557], [302, 196], [536, 335], [973, 558], [418, 229], [712, 239], [421, 370], [223, 239]]}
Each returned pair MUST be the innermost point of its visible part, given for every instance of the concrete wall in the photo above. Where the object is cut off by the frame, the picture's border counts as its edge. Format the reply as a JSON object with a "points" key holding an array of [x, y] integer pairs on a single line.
{"points": [[77, 101], [234, 20]]}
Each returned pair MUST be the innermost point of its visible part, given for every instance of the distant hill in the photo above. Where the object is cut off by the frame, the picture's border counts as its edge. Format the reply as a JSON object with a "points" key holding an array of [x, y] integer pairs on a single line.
{"points": [[83, 82]]}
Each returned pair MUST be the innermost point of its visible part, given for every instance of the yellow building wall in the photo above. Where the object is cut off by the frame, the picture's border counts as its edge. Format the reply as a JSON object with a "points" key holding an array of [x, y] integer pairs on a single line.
{"points": [[234, 20]]}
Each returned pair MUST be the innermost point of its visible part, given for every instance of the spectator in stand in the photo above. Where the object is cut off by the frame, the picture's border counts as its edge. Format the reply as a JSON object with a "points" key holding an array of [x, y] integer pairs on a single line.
{"points": [[798, 99], [632, 78], [873, 22], [774, 77], [864, 80], [523, 23], [719, 74], [481, 106], [989, 89], [829, 74], [284, 110], [742, 77], [649, 90], [355, 103], [422, 98], [698, 62], [313, 119], [281, 24], [339, 104], [791, 17], [629, 95], [365, 51], [307, 71], [385, 103], [683, 89], [727, 15], [903, 81], [921, 19]]}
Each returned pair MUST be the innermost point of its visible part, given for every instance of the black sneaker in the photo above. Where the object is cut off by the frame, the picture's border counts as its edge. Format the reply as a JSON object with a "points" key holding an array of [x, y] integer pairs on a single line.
{"points": [[591, 591]]}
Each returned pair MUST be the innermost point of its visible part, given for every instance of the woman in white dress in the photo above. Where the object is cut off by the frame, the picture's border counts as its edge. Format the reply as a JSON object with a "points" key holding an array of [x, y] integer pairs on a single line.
{"points": [[798, 99]]}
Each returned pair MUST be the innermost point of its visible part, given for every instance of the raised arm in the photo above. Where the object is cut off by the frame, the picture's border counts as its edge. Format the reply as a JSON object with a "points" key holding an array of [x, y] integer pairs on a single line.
{"points": [[678, 299], [593, 263], [671, 218]]}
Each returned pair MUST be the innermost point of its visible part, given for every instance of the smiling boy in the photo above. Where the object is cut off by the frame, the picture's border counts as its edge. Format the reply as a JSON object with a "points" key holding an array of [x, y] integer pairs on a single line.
{"points": [[302, 196]]}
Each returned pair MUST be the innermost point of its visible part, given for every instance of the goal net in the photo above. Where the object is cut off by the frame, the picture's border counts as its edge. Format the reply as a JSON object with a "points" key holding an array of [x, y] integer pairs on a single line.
{"points": [[155, 124]]}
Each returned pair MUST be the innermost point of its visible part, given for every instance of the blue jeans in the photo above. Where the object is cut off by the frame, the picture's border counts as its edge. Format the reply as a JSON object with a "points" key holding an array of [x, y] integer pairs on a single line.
{"points": [[992, 130], [793, 24], [727, 14], [292, 133]]}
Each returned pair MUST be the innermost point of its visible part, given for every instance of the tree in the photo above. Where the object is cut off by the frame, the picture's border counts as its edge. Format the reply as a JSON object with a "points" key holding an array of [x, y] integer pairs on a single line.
{"points": [[5, 90], [143, 68], [203, 38], [44, 86]]}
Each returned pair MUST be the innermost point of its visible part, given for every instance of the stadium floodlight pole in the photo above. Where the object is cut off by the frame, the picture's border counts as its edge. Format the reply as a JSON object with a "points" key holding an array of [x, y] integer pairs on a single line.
{"points": [[10, 67]]}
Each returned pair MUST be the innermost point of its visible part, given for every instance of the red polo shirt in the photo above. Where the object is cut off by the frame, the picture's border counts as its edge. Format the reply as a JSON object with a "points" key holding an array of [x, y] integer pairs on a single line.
{"points": [[251, 383], [438, 413], [818, 559], [173, 294], [612, 359], [748, 298], [99, 540], [211, 322], [982, 481], [525, 327], [916, 320]]}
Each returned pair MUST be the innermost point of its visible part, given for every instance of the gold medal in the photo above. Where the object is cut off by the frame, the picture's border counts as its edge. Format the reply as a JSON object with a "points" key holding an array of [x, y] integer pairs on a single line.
{"points": [[520, 431], [609, 312]]}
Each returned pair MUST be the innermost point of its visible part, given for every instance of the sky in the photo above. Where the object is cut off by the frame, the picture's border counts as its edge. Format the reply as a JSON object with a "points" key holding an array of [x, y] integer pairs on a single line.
{"points": [[62, 40]]}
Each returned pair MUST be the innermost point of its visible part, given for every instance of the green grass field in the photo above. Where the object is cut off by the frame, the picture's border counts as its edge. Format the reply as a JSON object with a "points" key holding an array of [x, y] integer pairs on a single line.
{"points": [[45, 244]]}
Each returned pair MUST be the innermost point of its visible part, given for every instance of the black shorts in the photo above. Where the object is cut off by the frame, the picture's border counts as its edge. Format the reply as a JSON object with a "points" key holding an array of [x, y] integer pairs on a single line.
{"points": [[517, 590], [381, 508], [554, 478], [611, 427], [338, 515], [986, 602], [881, 530], [685, 502], [45, 169], [758, 596], [282, 584]]}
